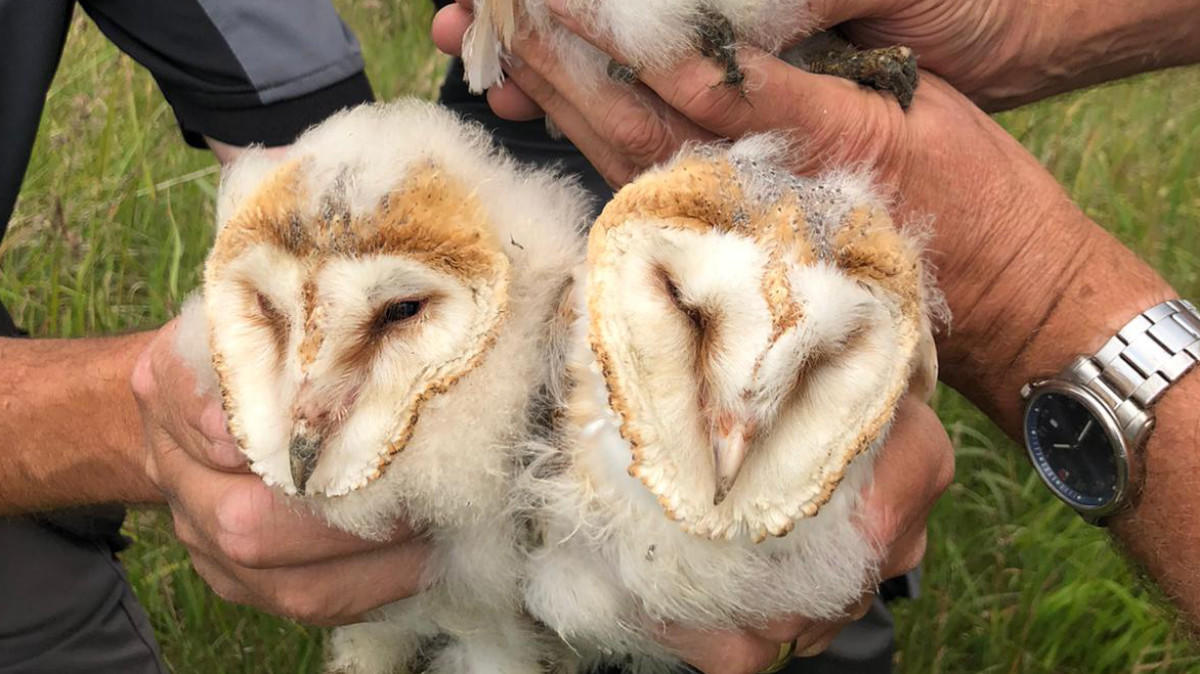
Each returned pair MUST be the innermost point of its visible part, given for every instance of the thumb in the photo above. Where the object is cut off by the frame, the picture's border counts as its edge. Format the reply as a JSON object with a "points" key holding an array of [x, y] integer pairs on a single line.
{"points": [[829, 118]]}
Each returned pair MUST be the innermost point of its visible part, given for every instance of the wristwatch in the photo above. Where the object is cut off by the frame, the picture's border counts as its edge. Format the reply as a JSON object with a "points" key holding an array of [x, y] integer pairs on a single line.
{"points": [[1084, 429]]}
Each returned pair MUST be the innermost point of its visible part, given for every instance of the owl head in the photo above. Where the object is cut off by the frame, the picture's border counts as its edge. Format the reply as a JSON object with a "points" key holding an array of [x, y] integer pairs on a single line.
{"points": [[754, 330], [354, 281]]}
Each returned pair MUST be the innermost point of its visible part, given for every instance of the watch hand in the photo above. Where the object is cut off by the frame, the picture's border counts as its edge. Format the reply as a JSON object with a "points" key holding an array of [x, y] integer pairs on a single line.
{"points": [[1062, 445], [1086, 427]]}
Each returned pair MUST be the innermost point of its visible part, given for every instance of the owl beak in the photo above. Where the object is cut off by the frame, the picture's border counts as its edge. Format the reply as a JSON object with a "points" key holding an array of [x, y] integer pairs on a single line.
{"points": [[730, 443], [304, 452]]}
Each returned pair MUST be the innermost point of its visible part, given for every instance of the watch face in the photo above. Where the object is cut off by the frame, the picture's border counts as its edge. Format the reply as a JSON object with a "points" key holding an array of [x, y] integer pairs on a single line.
{"points": [[1071, 449]]}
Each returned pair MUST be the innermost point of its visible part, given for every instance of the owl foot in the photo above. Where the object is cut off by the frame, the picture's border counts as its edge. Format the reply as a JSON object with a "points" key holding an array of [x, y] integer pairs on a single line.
{"points": [[891, 69], [718, 42]]}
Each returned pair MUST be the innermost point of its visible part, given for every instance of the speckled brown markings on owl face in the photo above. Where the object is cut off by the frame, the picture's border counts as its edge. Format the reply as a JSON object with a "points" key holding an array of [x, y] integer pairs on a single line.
{"points": [[868, 246], [314, 336], [428, 217], [700, 194], [703, 194]]}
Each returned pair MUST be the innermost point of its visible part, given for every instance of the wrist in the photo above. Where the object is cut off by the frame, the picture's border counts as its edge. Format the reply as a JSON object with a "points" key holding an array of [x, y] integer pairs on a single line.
{"points": [[1164, 514], [1061, 292]]}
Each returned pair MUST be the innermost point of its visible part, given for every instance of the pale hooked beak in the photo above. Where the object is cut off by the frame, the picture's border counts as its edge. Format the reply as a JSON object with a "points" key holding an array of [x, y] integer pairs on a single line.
{"points": [[731, 439], [304, 452]]}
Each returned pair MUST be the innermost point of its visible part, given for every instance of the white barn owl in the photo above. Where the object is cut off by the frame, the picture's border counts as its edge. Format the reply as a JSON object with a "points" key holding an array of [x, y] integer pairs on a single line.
{"points": [[742, 339], [657, 34], [380, 302]]}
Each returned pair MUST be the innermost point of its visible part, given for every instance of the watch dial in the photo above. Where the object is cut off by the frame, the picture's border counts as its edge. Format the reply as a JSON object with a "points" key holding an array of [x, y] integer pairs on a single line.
{"points": [[1072, 450]]}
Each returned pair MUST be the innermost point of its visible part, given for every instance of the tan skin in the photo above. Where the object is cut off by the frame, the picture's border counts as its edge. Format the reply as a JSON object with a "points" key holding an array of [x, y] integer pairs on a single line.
{"points": [[1030, 280]]}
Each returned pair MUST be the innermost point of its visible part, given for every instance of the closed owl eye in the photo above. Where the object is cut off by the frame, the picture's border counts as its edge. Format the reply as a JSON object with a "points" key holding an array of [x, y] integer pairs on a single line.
{"points": [[696, 316], [270, 317], [268, 309]]}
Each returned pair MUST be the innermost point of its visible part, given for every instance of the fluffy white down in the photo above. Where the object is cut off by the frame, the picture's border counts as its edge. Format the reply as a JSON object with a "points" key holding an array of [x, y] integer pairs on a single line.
{"points": [[453, 476], [613, 565], [650, 34]]}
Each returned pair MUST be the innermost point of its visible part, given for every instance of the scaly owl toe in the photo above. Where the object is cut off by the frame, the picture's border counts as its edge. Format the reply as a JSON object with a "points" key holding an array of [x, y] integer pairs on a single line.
{"points": [[892, 69]]}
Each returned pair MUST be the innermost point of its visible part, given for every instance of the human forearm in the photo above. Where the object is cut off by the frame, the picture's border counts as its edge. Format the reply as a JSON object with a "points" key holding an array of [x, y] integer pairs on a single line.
{"points": [[71, 429], [1024, 307], [1073, 44], [1030, 323]]}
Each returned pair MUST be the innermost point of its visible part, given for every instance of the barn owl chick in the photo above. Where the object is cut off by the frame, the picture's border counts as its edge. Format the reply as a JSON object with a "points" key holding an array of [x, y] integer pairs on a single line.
{"points": [[379, 301], [658, 34], [743, 338]]}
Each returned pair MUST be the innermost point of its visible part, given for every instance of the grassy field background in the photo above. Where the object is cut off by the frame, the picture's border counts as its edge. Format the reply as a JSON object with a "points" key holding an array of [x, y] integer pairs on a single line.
{"points": [[115, 218]]}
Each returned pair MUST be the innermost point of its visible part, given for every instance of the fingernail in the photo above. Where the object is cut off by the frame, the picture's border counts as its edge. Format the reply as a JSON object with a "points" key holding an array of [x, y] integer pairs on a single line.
{"points": [[557, 6]]}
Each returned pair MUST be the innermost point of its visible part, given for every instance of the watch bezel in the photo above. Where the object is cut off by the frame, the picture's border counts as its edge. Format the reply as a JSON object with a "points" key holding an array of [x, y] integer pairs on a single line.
{"points": [[1112, 429]]}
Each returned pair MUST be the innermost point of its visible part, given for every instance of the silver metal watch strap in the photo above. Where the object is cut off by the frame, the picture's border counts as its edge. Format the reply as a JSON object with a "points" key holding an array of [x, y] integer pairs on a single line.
{"points": [[1153, 351]]}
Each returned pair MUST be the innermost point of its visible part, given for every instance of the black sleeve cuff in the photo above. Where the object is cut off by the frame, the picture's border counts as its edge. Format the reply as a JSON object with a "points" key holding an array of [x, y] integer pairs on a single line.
{"points": [[273, 124]]}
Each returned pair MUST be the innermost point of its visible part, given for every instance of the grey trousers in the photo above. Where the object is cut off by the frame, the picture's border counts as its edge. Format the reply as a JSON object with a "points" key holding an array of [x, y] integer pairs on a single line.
{"points": [[66, 606]]}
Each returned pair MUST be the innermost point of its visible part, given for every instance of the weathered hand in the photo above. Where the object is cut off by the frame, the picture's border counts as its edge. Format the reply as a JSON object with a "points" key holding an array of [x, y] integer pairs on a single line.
{"points": [[999, 53], [912, 470], [245, 540], [1006, 238]]}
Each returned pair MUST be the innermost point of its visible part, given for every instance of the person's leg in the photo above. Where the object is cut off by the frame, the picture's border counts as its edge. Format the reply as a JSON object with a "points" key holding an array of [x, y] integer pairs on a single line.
{"points": [[66, 606]]}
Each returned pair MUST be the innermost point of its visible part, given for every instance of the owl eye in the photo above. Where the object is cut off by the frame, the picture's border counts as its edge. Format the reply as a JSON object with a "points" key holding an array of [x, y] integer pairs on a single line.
{"points": [[268, 308], [693, 314], [395, 312]]}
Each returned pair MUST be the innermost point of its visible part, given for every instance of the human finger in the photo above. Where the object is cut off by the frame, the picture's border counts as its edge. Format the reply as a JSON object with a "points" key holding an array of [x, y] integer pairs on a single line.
{"points": [[252, 525], [612, 124], [510, 102], [333, 592], [823, 112], [616, 167], [913, 469], [727, 652], [167, 394], [448, 27]]}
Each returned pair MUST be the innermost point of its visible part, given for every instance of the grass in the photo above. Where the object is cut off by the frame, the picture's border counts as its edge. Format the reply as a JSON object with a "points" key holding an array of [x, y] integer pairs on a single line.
{"points": [[114, 222]]}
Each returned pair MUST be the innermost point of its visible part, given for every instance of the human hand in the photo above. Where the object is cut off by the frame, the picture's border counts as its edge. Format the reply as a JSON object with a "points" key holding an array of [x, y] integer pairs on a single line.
{"points": [[912, 470], [999, 53], [1006, 238], [247, 542], [1005, 53]]}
